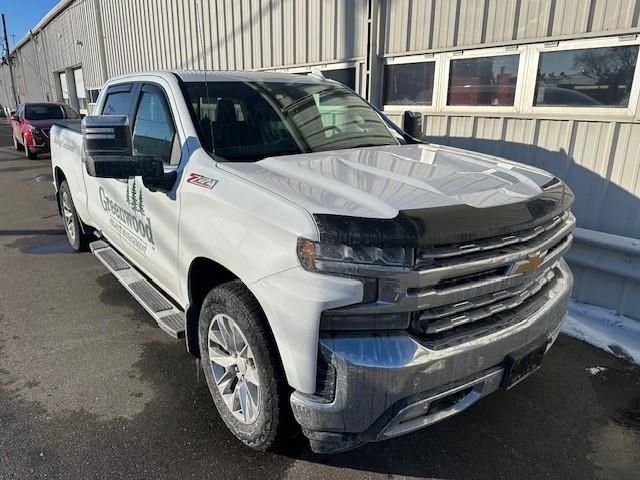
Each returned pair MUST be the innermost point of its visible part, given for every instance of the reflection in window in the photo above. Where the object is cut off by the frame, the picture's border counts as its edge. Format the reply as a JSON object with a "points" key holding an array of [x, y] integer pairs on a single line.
{"points": [[586, 77], [483, 81], [153, 131], [408, 84], [117, 103]]}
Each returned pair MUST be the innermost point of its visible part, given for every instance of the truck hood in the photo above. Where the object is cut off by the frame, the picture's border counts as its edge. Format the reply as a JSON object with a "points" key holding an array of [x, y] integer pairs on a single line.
{"points": [[380, 182]]}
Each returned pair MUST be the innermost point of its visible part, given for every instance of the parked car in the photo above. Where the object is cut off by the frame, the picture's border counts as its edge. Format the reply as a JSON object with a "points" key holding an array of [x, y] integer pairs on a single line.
{"points": [[321, 262], [31, 124]]}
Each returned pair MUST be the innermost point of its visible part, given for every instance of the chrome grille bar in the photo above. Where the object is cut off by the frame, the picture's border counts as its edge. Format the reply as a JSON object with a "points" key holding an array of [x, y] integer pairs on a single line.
{"points": [[484, 307], [448, 251]]}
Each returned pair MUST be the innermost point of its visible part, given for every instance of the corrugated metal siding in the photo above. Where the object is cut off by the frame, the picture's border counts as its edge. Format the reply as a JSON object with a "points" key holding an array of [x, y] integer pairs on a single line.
{"points": [[69, 40], [231, 34], [435, 24]]}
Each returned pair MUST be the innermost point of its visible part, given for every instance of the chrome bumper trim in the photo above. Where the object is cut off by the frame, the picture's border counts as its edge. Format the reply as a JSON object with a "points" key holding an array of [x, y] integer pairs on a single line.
{"points": [[378, 376], [416, 416]]}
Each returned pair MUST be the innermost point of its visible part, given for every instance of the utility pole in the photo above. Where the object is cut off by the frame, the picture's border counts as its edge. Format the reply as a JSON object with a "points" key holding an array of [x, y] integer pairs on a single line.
{"points": [[6, 46]]}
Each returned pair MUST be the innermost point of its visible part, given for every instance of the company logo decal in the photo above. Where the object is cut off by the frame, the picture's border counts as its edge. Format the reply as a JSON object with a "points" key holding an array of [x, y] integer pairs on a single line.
{"points": [[530, 265], [202, 181], [131, 223]]}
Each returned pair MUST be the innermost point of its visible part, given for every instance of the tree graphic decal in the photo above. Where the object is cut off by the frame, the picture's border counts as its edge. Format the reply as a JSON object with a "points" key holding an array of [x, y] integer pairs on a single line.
{"points": [[140, 202], [128, 194], [134, 196]]}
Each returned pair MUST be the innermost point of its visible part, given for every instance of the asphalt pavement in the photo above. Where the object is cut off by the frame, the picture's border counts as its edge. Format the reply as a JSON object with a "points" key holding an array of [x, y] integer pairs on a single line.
{"points": [[90, 387]]}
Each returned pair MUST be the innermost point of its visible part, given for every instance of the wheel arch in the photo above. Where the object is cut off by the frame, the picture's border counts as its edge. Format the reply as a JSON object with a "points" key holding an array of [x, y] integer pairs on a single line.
{"points": [[204, 274], [58, 178]]}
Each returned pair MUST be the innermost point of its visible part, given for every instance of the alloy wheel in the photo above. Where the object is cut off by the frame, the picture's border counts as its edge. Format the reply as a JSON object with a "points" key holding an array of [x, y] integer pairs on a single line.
{"points": [[68, 217], [234, 368]]}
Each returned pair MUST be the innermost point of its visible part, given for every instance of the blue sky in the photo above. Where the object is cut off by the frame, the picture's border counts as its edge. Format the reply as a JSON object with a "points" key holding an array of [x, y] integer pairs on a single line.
{"points": [[23, 15]]}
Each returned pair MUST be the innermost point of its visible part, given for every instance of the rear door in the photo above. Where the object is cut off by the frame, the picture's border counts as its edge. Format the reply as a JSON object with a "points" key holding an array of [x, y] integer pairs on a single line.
{"points": [[107, 199], [141, 223]]}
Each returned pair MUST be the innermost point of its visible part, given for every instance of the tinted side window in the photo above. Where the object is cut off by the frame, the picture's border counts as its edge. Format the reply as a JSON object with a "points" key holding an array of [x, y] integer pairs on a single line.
{"points": [[489, 81], [409, 84], [586, 77], [153, 130], [117, 103]]}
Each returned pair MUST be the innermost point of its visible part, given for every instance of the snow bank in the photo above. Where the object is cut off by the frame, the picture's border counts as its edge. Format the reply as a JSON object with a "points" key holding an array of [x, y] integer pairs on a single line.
{"points": [[604, 329]]}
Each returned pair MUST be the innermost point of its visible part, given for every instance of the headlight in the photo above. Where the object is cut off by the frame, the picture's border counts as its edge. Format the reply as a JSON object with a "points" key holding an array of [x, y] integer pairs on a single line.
{"points": [[351, 259]]}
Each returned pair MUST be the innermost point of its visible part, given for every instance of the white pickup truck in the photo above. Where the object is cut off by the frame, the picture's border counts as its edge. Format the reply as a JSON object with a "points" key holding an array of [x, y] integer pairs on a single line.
{"points": [[324, 265]]}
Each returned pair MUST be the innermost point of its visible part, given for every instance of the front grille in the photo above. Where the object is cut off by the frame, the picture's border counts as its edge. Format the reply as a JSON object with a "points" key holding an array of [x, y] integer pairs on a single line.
{"points": [[456, 292], [487, 281]]}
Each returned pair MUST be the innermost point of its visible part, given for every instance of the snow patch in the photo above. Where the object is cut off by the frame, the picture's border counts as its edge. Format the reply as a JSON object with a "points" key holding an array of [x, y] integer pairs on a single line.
{"points": [[604, 329], [595, 370]]}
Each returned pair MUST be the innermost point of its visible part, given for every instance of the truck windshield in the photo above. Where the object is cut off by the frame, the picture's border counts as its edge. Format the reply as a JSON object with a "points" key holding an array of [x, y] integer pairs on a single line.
{"points": [[247, 121]]}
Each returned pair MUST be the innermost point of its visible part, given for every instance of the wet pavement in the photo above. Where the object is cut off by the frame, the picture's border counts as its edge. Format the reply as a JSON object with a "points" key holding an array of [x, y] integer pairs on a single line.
{"points": [[90, 387]]}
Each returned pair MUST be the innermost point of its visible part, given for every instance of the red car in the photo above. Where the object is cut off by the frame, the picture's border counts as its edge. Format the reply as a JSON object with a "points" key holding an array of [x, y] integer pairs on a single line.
{"points": [[31, 124]]}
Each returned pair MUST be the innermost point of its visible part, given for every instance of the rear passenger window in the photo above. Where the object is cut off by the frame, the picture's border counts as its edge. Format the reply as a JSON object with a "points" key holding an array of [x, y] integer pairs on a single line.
{"points": [[117, 103]]}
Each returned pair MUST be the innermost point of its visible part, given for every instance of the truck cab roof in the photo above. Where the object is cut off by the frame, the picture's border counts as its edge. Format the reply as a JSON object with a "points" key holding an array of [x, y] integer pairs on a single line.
{"points": [[229, 76]]}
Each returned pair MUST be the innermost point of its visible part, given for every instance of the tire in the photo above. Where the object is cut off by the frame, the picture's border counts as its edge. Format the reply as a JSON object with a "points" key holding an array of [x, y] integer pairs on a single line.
{"points": [[78, 240], [16, 144], [28, 153], [270, 424]]}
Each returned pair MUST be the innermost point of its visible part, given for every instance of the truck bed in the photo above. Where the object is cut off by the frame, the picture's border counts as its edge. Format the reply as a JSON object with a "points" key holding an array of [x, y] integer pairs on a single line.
{"points": [[75, 125]]}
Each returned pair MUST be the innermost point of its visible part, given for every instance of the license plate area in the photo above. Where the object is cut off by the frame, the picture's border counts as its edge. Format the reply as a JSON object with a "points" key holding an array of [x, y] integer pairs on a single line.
{"points": [[522, 363]]}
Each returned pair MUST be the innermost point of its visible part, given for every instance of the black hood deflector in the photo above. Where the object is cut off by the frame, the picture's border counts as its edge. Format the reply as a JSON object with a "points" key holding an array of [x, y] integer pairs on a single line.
{"points": [[447, 225]]}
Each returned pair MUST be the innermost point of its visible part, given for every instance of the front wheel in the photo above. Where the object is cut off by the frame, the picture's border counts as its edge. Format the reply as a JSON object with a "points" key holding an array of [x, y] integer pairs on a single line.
{"points": [[78, 240], [16, 144], [242, 367], [28, 153]]}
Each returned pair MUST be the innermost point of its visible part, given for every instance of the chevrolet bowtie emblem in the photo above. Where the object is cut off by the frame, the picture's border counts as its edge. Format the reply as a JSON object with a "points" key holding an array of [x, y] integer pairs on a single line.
{"points": [[529, 265]]}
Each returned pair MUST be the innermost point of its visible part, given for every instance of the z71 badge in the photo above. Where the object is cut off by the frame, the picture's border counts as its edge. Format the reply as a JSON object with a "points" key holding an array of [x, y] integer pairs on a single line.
{"points": [[202, 181]]}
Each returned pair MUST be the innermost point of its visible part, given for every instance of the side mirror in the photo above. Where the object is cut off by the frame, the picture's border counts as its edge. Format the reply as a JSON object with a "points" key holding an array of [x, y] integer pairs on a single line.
{"points": [[107, 150], [412, 124], [123, 167]]}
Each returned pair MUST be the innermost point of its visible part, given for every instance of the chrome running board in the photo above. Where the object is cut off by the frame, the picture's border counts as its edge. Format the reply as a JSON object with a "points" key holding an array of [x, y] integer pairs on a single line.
{"points": [[169, 317]]}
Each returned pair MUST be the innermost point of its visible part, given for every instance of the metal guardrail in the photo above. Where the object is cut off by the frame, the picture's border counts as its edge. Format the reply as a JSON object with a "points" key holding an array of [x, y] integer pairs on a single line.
{"points": [[606, 252], [607, 270]]}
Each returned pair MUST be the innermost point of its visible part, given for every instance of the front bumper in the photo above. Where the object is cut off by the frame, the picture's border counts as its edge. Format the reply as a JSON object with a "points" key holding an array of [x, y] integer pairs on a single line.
{"points": [[389, 383]]}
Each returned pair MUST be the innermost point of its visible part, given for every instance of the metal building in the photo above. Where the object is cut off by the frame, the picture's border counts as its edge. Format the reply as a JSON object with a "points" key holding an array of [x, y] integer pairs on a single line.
{"points": [[553, 83]]}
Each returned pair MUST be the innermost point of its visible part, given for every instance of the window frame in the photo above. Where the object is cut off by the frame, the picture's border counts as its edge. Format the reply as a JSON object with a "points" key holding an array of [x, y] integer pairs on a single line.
{"points": [[150, 87], [580, 44], [520, 91], [133, 88], [395, 108]]}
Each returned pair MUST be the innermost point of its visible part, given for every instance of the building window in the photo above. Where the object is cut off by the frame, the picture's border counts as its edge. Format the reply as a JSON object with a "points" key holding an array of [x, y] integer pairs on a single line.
{"points": [[81, 93], [64, 88], [588, 77], [346, 76], [483, 81], [409, 83], [92, 95]]}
